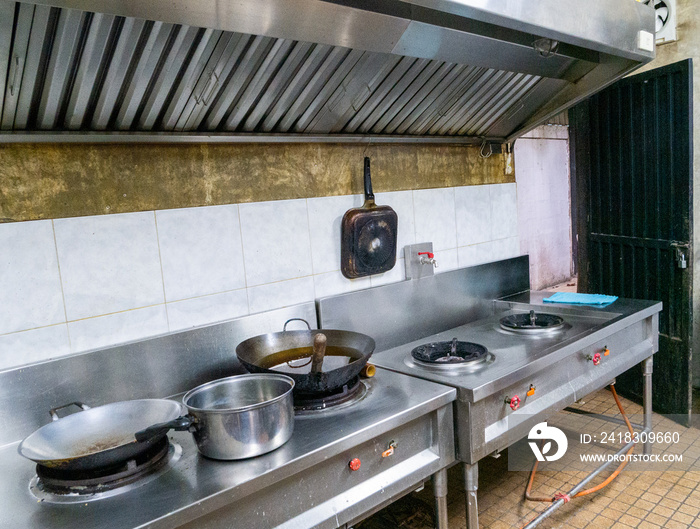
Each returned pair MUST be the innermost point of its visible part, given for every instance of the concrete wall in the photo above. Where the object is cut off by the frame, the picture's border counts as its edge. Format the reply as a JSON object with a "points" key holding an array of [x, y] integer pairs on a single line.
{"points": [[544, 204], [688, 46]]}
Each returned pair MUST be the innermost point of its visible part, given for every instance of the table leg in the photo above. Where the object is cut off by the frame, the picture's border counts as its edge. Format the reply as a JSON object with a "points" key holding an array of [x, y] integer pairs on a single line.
{"points": [[648, 367], [440, 492], [471, 485]]}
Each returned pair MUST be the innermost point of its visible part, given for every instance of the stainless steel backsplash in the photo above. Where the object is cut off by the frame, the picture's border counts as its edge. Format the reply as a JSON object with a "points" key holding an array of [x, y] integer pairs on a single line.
{"points": [[153, 368], [409, 310]]}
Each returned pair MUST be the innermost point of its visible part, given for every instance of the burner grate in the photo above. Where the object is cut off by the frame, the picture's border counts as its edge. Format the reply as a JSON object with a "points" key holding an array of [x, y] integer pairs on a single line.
{"points": [[454, 352], [533, 322], [346, 395], [51, 484]]}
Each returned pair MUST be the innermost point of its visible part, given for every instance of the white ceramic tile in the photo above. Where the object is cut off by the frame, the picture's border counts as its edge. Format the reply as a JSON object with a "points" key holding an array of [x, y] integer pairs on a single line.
{"points": [[276, 243], [280, 294], [30, 287], [200, 251], [447, 260], [435, 217], [504, 211], [109, 263], [473, 212], [475, 254], [113, 329], [402, 203], [207, 309], [332, 283], [396, 274], [325, 218], [28, 347], [505, 248]]}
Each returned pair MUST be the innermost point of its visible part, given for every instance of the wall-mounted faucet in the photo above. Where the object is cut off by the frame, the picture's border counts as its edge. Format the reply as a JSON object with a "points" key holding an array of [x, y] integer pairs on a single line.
{"points": [[420, 260], [430, 260]]}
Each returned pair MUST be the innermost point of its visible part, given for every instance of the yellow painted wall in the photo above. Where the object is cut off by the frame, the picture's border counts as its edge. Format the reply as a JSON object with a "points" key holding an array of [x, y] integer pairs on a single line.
{"points": [[39, 181]]}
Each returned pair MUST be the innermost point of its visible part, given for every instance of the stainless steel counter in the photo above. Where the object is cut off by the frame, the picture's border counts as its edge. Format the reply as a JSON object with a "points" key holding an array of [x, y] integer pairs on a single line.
{"points": [[528, 377], [198, 489], [518, 357]]}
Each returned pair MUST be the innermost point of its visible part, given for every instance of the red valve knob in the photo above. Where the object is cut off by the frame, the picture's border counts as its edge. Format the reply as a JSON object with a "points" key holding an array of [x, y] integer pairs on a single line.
{"points": [[514, 403], [596, 359], [429, 254], [354, 464]]}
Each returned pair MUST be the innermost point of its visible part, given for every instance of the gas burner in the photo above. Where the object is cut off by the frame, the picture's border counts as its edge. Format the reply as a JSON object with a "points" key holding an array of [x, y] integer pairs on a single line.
{"points": [[533, 323], [342, 397], [55, 485], [451, 355]]}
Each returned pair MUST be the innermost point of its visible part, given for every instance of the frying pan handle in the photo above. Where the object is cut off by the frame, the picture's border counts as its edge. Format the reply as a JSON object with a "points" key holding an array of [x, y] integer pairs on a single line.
{"points": [[369, 195], [185, 422], [54, 415], [284, 329]]}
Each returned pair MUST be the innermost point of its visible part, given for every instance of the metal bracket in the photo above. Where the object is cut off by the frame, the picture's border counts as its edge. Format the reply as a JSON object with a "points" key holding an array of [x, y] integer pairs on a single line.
{"points": [[418, 266]]}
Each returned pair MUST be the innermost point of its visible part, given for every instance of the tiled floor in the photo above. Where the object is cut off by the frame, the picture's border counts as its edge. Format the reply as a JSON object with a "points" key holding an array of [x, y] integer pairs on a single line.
{"points": [[637, 498]]}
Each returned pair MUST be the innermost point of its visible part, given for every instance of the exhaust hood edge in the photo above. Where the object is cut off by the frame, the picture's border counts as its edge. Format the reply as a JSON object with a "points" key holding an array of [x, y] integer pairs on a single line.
{"points": [[340, 99]]}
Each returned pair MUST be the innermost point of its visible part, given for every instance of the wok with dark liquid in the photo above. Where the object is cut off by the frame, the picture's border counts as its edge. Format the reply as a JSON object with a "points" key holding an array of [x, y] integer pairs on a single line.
{"points": [[289, 352]]}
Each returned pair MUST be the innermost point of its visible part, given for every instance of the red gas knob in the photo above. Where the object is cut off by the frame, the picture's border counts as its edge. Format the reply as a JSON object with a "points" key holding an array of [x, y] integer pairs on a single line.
{"points": [[595, 358], [514, 402], [429, 254], [354, 464]]}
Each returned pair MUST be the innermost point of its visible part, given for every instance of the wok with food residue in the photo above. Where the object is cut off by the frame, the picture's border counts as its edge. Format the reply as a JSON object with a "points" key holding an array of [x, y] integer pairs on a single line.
{"points": [[338, 359]]}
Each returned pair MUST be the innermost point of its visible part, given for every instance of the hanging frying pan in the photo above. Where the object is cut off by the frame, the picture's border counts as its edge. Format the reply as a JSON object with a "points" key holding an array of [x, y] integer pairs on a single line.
{"points": [[368, 236]]}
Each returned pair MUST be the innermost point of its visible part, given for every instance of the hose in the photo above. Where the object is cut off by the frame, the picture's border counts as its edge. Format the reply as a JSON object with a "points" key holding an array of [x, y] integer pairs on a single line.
{"points": [[565, 497]]}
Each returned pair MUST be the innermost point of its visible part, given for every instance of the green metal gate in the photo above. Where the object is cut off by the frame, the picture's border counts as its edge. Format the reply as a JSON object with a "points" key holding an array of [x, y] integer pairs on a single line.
{"points": [[632, 156]]}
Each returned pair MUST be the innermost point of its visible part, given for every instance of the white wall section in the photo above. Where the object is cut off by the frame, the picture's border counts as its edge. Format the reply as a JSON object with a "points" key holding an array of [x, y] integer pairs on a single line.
{"points": [[71, 285]]}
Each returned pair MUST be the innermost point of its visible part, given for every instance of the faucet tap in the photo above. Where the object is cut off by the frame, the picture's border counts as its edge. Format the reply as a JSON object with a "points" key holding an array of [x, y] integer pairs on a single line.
{"points": [[429, 260]]}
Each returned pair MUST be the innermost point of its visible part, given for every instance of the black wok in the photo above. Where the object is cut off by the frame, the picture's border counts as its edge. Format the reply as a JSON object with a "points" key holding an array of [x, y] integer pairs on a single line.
{"points": [[289, 352], [98, 437]]}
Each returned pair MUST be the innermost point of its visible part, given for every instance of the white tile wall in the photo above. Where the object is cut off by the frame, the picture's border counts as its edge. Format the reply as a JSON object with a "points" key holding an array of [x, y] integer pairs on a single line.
{"points": [[276, 241], [108, 263], [30, 285], [76, 284], [435, 218], [200, 251]]}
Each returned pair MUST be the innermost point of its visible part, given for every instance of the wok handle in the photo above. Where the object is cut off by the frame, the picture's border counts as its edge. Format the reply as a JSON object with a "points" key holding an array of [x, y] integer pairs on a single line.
{"points": [[185, 422], [369, 195], [284, 329], [319, 352], [54, 415]]}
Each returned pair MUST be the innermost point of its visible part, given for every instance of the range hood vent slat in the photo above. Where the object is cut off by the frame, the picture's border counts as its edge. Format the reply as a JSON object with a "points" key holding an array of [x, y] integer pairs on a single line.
{"points": [[63, 69]]}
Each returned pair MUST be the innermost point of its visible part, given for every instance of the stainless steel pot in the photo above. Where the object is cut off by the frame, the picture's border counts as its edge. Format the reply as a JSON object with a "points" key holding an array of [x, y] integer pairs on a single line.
{"points": [[236, 417]]}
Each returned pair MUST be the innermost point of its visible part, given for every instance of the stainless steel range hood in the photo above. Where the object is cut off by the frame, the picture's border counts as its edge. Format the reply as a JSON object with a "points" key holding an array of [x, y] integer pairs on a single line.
{"points": [[306, 70]]}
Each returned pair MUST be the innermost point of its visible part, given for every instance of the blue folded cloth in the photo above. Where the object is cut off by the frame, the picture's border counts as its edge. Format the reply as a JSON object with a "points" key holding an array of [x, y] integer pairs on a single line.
{"points": [[580, 299]]}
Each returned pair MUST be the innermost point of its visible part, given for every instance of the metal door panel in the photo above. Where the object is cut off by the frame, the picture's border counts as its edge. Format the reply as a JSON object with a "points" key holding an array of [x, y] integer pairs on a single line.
{"points": [[636, 214]]}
